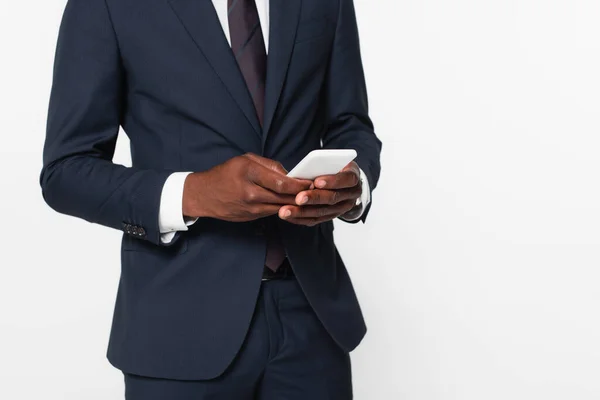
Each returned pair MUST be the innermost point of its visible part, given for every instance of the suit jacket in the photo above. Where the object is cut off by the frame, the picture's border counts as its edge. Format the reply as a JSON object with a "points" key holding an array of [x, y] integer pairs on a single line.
{"points": [[163, 70]]}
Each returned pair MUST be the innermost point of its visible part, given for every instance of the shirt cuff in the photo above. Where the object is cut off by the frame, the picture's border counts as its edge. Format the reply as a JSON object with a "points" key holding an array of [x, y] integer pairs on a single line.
{"points": [[170, 215], [365, 198]]}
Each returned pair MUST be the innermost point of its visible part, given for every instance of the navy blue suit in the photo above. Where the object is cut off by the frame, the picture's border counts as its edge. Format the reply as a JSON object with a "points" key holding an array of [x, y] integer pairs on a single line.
{"points": [[163, 70]]}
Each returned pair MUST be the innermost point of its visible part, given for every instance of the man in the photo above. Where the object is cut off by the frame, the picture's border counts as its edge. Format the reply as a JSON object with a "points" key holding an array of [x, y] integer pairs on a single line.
{"points": [[231, 285]]}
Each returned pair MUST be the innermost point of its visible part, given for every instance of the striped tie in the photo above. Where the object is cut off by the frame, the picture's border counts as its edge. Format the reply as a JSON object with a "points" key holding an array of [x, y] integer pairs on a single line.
{"points": [[248, 46]]}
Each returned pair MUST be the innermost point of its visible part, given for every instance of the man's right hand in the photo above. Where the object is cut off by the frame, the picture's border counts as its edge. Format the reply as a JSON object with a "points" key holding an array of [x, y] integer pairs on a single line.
{"points": [[242, 189]]}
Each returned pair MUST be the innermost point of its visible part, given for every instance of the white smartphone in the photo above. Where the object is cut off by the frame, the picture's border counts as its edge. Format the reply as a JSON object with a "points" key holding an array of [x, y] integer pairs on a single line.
{"points": [[322, 162]]}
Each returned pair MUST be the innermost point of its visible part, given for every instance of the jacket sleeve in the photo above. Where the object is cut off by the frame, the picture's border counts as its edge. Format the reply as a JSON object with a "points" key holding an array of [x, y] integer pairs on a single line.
{"points": [[349, 125], [78, 177]]}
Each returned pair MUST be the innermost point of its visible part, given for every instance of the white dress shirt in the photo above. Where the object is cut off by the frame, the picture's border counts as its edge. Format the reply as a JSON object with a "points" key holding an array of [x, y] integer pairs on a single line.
{"points": [[170, 217]]}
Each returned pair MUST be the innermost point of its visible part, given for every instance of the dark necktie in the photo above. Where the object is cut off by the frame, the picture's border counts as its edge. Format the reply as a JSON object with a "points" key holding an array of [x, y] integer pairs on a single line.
{"points": [[248, 46]]}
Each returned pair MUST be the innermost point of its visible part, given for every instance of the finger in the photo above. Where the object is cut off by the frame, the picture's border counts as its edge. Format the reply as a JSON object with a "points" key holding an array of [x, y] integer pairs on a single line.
{"points": [[328, 197], [268, 163], [265, 210], [313, 221], [275, 181], [295, 212], [342, 180], [349, 176], [259, 195]]}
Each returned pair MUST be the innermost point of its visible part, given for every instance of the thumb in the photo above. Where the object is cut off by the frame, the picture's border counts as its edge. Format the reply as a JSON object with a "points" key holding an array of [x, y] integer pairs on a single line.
{"points": [[268, 163]]}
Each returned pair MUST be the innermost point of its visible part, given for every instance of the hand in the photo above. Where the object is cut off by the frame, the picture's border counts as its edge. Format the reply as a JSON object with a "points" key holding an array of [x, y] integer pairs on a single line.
{"points": [[244, 188], [330, 197]]}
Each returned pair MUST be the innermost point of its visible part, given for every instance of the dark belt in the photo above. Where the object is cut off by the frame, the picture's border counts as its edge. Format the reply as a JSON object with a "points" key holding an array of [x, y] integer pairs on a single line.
{"points": [[284, 271]]}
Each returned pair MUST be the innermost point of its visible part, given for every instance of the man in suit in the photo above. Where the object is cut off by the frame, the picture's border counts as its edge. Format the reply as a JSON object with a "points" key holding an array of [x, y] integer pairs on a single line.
{"points": [[231, 284]]}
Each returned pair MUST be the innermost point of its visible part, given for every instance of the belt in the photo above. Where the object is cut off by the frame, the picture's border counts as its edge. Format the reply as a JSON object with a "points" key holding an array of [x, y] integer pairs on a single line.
{"points": [[284, 271]]}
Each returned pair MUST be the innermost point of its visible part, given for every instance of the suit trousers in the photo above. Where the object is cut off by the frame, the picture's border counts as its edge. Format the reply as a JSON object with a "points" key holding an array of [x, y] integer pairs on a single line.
{"points": [[287, 355]]}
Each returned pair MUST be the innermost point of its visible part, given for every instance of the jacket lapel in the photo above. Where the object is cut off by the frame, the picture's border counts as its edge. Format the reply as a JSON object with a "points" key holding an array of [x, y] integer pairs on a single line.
{"points": [[202, 23], [284, 17]]}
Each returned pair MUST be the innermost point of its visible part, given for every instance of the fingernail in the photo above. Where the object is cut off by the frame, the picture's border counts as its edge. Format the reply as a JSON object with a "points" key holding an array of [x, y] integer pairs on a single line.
{"points": [[287, 213], [304, 200], [320, 183]]}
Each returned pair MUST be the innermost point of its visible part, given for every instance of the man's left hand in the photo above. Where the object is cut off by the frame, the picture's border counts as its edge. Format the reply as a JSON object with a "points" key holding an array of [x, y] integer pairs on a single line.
{"points": [[333, 196]]}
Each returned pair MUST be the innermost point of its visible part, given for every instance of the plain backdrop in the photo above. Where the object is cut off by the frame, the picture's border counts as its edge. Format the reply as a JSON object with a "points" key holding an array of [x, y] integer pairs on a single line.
{"points": [[479, 268]]}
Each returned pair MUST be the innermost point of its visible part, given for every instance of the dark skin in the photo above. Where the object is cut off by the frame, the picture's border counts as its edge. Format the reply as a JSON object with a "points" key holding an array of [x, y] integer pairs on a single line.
{"points": [[250, 187], [330, 197]]}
